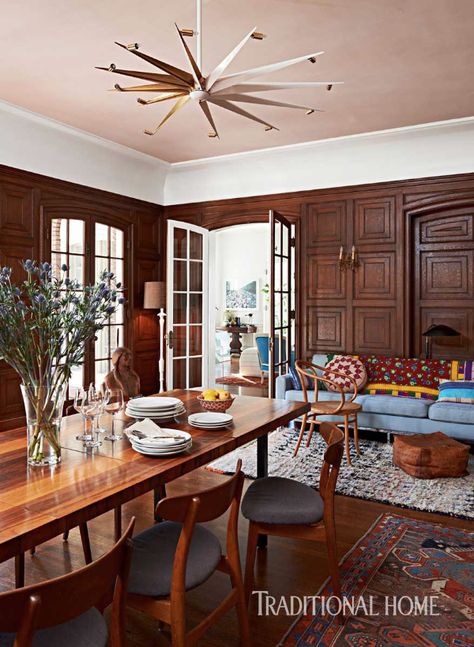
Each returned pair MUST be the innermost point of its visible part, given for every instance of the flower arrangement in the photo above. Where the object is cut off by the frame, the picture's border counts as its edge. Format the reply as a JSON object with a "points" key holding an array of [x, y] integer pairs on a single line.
{"points": [[45, 322]]}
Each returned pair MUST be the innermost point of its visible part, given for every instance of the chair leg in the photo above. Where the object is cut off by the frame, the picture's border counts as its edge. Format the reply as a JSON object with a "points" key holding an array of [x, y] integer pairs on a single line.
{"points": [[252, 540], [300, 437], [356, 435], [117, 523], [86, 546], [242, 612], [311, 431], [20, 570], [346, 438], [178, 620], [333, 565]]}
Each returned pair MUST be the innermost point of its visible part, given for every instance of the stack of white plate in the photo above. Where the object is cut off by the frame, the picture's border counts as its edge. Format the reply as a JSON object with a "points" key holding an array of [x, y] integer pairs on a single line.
{"points": [[209, 420], [156, 408], [163, 442]]}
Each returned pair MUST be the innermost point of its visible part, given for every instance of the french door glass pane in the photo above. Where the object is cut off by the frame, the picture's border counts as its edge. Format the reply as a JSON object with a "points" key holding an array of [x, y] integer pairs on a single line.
{"points": [[179, 308], [195, 245], [101, 240], [180, 243], [195, 372], [180, 276], [195, 308], [195, 276], [195, 340], [116, 243], [76, 268], [179, 341], [179, 374], [76, 236]]}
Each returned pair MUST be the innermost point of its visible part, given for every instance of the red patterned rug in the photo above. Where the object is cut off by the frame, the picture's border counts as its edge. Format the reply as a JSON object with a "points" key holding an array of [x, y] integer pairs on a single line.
{"points": [[406, 583], [239, 380]]}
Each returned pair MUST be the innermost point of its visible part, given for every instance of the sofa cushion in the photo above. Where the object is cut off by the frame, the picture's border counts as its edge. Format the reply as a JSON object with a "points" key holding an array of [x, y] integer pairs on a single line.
{"points": [[391, 405], [452, 412], [461, 391], [323, 396], [346, 367]]}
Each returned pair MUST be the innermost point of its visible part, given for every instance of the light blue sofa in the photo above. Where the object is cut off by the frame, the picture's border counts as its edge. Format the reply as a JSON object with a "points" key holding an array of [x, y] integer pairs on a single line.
{"points": [[389, 413]]}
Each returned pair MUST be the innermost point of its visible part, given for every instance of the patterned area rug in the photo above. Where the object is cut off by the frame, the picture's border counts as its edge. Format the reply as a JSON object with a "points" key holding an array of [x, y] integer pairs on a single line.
{"points": [[423, 565], [371, 476], [239, 380]]}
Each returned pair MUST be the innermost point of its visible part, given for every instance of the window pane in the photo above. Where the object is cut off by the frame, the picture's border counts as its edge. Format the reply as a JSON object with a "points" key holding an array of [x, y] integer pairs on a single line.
{"points": [[101, 370], [179, 374], [179, 341], [76, 268], [195, 308], [76, 380], [179, 308], [57, 260], [116, 242], [180, 243], [59, 235], [195, 340], [76, 236], [195, 372], [102, 344], [101, 264], [101, 240], [117, 317], [195, 276], [195, 245], [180, 278], [117, 268]]}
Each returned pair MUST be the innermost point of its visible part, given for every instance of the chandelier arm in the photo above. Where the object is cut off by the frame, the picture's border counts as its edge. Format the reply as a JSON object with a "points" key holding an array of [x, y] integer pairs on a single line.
{"points": [[244, 88], [180, 74], [179, 104], [163, 97], [240, 111], [153, 87], [224, 64], [264, 69], [207, 111], [147, 76], [196, 71], [243, 98]]}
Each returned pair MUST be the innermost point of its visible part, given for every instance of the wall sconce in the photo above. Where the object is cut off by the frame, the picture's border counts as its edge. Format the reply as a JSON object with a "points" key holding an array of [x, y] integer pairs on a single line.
{"points": [[347, 261]]}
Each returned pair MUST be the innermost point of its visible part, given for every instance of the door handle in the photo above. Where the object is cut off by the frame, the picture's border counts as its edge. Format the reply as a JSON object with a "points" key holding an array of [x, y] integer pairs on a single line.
{"points": [[169, 339]]}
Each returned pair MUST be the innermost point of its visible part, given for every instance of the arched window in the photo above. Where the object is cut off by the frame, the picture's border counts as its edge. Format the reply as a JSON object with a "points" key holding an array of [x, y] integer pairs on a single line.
{"points": [[88, 247]]}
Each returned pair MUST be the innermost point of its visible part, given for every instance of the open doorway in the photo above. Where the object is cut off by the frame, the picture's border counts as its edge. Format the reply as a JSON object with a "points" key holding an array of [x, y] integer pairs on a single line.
{"points": [[239, 313]]}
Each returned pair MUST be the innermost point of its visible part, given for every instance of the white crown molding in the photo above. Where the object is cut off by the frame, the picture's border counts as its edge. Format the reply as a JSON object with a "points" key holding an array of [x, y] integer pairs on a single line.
{"points": [[289, 148], [60, 126]]}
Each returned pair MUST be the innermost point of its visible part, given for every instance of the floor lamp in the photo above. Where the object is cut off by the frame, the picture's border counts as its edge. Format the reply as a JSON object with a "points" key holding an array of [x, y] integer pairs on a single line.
{"points": [[437, 330], [154, 298]]}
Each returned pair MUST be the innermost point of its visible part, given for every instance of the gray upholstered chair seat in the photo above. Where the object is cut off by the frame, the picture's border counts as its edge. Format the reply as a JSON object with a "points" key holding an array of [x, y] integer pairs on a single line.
{"points": [[282, 501], [153, 554], [87, 630]]}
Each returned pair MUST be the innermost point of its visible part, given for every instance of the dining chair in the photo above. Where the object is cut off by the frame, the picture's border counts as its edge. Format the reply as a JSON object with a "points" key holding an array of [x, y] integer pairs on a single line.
{"points": [[263, 342], [287, 508], [68, 610], [346, 409], [178, 554]]}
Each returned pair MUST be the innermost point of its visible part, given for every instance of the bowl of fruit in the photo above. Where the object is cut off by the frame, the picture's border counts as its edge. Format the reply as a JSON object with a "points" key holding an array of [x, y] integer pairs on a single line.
{"points": [[216, 400]]}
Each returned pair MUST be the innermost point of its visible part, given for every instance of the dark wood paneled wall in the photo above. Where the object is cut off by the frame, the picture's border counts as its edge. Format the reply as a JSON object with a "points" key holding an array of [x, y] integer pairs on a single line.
{"points": [[415, 245], [27, 201]]}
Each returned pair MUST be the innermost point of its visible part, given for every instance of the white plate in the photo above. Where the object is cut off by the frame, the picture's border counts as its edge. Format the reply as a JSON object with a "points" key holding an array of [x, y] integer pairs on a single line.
{"points": [[139, 413], [210, 418], [147, 452], [155, 403]]}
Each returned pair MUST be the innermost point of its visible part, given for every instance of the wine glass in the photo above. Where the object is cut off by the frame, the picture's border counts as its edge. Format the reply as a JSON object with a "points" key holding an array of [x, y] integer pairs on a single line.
{"points": [[80, 400], [113, 406], [96, 408]]}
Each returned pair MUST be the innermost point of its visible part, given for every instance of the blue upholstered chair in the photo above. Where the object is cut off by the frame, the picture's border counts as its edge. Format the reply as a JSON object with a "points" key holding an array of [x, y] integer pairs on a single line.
{"points": [[264, 353]]}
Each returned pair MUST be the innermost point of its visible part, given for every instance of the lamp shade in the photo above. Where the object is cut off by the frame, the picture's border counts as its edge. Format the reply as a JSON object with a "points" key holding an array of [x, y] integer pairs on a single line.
{"points": [[440, 330], [154, 296]]}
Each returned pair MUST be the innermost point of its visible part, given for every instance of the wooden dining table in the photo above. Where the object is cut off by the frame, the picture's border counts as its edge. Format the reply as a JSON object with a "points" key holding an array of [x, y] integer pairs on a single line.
{"points": [[39, 503]]}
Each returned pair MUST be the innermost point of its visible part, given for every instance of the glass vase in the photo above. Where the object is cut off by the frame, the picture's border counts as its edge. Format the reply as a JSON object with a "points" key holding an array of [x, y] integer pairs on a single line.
{"points": [[44, 410]]}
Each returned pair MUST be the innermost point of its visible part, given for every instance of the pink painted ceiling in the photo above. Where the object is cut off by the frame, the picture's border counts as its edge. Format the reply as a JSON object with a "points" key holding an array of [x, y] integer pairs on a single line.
{"points": [[404, 62]]}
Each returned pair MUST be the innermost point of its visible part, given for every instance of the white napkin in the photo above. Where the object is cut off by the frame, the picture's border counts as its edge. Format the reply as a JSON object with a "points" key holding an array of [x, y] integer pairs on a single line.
{"points": [[148, 427]]}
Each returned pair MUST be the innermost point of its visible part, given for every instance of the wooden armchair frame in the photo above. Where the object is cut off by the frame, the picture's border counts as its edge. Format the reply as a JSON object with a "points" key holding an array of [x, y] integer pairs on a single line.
{"points": [[56, 601], [347, 409], [324, 530], [189, 510]]}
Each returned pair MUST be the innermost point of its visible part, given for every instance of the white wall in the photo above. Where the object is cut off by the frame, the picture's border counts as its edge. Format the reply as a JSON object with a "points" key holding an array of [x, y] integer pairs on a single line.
{"points": [[241, 253], [442, 148], [34, 143]]}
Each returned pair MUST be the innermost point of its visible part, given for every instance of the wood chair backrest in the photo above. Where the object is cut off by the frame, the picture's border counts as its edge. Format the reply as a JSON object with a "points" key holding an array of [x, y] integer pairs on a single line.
{"points": [[320, 374], [334, 439], [53, 602], [198, 508]]}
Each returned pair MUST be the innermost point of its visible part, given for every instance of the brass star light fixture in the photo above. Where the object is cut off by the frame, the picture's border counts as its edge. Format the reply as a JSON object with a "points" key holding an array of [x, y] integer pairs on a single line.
{"points": [[224, 91]]}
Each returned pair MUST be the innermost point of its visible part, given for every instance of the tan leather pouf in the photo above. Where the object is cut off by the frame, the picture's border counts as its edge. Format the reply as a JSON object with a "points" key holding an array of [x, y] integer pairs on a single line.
{"points": [[429, 456]]}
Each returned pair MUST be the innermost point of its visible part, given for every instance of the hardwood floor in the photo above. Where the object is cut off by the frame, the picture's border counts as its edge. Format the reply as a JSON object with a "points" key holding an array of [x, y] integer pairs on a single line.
{"points": [[286, 567], [230, 367]]}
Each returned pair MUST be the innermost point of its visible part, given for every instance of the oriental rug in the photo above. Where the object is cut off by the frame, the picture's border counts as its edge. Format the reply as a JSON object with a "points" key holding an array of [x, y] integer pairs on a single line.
{"points": [[413, 584]]}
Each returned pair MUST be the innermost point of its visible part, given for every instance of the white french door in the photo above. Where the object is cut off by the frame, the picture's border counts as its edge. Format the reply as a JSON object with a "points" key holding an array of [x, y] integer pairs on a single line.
{"points": [[187, 306]]}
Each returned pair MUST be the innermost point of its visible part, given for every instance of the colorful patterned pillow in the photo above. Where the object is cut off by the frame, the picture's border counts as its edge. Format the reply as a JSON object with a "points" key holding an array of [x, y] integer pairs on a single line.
{"points": [[347, 365], [295, 379], [456, 391], [407, 377]]}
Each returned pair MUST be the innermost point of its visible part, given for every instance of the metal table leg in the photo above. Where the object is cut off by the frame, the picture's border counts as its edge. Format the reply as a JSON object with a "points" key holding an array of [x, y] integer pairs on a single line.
{"points": [[262, 471]]}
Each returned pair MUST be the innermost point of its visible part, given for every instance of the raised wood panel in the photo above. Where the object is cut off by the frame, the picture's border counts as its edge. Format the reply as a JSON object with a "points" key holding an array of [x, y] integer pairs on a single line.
{"points": [[459, 318], [375, 330], [11, 404], [374, 221], [147, 360], [375, 278], [326, 329], [447, 275], [148, 235], [16, 212], [449, 228], [326, 224], [325, 279]]}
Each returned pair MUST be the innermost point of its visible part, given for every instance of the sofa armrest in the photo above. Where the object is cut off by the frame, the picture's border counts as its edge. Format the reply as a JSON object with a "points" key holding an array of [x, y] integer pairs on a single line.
{"points": [[282, 385]]}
